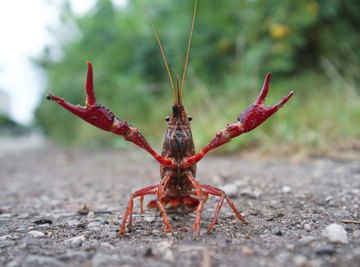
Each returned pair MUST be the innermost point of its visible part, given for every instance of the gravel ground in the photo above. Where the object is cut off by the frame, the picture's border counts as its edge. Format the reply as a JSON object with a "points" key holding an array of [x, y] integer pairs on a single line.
{"points": [[288, 205]]}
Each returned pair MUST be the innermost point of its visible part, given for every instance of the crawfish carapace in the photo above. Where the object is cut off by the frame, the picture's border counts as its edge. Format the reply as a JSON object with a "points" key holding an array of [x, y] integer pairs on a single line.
{"points": [[178, 186]]}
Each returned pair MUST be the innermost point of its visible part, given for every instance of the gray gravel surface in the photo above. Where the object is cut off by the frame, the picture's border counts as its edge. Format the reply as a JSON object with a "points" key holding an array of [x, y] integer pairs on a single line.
{"points": [[287, 205]]}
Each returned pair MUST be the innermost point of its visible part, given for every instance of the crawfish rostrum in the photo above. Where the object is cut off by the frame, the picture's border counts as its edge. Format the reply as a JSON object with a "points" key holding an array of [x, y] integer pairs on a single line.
{"points": [[178, 187]]}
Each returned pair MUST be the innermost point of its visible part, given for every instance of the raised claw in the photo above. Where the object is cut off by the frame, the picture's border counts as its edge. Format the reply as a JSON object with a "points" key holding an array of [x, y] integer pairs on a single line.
{"points": [[103, 118], [249, 119], [257, 113], [93, 112]]}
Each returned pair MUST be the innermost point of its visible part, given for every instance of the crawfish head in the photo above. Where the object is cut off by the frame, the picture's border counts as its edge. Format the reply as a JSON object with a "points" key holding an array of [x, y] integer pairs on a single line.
{"points": [[178, 137]]}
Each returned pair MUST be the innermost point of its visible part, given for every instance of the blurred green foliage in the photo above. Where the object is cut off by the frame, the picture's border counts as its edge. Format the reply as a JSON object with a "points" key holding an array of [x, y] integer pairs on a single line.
{"points": [[310, 46]]}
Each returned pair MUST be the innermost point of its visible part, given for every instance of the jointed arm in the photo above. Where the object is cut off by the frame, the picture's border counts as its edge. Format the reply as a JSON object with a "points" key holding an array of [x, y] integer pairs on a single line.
{"points": [[249, 119], [103, 118]]}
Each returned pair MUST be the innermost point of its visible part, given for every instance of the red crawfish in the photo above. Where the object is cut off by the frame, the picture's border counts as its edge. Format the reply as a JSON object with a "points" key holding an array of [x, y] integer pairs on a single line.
{"points": [[178, 187]]}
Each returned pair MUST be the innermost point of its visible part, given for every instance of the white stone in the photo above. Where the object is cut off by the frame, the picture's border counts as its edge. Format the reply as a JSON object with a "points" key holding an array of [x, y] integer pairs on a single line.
{"points": [[149, 218], [94, 225], [77, 240], [307, 227], [336, 234], [73, 223], [168, 256], [300, 260], [247, 191], [107, 245], [163, 251], [286, 189], [4, 237], [36, 234], [230, 189]]}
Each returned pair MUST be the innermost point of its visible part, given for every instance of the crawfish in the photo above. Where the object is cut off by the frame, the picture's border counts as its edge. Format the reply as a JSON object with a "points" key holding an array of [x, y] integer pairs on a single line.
{"points": [[178, 186]]}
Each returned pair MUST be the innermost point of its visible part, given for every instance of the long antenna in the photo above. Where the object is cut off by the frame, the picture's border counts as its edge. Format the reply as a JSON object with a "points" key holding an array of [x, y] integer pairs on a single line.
{"points": [[161, 49], [188, 50], [179, 102]]}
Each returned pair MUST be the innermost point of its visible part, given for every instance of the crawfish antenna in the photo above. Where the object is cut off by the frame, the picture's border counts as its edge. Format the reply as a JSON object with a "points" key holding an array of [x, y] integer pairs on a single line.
{"points": [[178, 95], [188, 49], [161, 49]]}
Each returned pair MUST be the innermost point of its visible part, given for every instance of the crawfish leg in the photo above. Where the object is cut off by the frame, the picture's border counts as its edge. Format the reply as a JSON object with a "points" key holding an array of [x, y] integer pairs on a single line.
{"points": [[220, 193], [129, 210], [199, 194], [159, 194], [142, 204], [164, 216]]}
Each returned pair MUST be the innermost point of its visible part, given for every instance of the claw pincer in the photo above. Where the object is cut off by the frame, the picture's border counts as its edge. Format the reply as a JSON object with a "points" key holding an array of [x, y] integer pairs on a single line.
{"points": [[256, 113]]}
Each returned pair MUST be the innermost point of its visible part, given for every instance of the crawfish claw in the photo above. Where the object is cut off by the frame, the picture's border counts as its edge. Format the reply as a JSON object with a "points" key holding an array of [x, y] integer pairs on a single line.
{"points": [[96, 114], [257, 113], [93, 112]]}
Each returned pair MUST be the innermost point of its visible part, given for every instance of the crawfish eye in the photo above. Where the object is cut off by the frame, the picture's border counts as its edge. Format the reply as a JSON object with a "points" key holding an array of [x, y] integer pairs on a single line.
{"points": [[167, 118], [189, 118]]}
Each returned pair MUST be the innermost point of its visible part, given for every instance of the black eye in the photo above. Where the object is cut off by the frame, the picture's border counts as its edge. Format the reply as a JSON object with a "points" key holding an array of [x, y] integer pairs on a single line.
{"points": [[189, 118], [167, 118]]}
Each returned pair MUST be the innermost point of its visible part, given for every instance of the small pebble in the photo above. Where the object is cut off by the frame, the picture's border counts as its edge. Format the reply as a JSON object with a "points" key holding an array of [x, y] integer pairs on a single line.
{"points": [[230, 189], [73, 223], [107, 245], [325, 250], [307, 227], [168, 256], [23, 216], [94, 225], [4, 237], [335, 233], [6, 215], [300, 260], [155, 232], [286, 189], [247, 251], [254, 194], [163, 250], [328, 199], [149, 218], [76, 241], [43, 221], [148, 252], [83, 211], [36, 234], [277, 231]]}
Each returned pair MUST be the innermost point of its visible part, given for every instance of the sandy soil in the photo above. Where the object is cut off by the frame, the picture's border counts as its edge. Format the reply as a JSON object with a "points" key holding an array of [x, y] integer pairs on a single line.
{"points": [[287, 205]]}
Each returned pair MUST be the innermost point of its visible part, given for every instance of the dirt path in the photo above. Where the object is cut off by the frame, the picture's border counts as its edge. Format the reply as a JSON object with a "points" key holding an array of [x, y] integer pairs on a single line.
{"points": [[288, 206]]}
